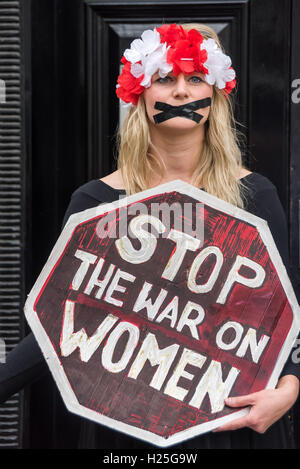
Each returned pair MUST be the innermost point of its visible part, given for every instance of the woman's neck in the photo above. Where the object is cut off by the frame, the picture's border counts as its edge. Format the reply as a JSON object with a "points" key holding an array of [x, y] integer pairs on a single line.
{"points": [[180, 152]]}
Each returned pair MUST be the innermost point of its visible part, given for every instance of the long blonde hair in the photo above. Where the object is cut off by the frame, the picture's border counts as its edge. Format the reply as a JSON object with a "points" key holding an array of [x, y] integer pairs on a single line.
{"points": [[220, 160]]}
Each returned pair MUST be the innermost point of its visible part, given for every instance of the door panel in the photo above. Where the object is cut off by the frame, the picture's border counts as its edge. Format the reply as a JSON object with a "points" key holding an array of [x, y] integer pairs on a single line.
{"points": [[110, 30], [71, 114]]}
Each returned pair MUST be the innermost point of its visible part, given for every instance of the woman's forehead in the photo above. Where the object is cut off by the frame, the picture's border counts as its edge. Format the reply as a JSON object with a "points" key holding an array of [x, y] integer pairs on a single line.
{"points": [[171, 74]]}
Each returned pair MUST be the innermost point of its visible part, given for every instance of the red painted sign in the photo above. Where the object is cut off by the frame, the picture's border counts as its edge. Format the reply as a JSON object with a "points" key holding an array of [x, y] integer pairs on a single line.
{"points": [[153, 309]]}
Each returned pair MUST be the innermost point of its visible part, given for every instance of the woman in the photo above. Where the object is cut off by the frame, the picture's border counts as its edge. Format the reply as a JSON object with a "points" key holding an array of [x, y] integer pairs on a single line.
{"points": [[178, 82]]}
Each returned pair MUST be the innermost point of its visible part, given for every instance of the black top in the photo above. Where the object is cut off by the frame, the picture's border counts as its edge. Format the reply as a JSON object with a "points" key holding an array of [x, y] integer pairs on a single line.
{"points": [[26, 363]]}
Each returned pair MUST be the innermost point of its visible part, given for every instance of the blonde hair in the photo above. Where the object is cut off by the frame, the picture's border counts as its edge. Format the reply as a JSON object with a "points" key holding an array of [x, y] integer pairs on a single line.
{"points": [[220, 160]]}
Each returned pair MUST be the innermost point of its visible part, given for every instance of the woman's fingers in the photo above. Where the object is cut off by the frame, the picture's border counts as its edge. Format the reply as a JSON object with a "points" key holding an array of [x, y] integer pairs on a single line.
{"points": [[241, 401], [266, 406], [234, 425]]}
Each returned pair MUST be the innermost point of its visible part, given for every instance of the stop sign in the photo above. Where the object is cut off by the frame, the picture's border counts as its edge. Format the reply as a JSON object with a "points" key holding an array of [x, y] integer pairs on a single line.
{"points": [[153, 309]]}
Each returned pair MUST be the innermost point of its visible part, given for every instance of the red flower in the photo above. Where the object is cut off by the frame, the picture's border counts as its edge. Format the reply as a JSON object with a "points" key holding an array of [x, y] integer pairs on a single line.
{"points": [[187, 50], [171, 34], [130, 88], [184, 45], [184, 54], [230, 85], [195, 36]]}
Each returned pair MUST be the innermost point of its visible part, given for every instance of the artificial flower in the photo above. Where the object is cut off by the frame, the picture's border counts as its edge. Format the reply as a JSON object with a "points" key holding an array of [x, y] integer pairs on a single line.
{"points": [[218, 65], [139, 48], [172, 48], [151, 64], [129, 87]]}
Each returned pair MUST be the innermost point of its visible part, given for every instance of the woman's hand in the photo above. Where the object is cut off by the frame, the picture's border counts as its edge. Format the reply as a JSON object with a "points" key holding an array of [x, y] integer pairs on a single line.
{"points": [[267, 406]]}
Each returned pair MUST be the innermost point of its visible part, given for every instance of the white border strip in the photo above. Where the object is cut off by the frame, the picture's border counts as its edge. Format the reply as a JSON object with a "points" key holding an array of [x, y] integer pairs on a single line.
{"points": [[52, 359]]}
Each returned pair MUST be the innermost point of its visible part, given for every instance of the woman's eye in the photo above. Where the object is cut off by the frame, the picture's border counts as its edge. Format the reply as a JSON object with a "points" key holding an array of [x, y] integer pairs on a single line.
{"points": [[163, 80], [196, 79]]}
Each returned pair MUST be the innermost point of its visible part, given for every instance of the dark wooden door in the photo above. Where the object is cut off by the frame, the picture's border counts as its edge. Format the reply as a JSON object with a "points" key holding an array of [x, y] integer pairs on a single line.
{"points": [[72, 50]]}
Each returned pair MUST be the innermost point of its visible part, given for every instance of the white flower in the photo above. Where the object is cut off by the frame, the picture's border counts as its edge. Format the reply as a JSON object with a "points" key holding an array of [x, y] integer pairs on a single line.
{"points": [[156, 62], [217, 64], [139, 48], [149, 56], [151, 53]]}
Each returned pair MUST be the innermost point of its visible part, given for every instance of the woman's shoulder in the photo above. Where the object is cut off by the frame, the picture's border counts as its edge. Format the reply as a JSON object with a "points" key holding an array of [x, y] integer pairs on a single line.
{"points": [[99, 188], [257, 181], [114, 180], [91, 194], [113, 183]]}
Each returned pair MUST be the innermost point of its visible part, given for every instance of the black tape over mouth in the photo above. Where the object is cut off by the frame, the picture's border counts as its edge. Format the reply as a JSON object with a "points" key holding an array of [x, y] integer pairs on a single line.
{"points": [[185, 110]]}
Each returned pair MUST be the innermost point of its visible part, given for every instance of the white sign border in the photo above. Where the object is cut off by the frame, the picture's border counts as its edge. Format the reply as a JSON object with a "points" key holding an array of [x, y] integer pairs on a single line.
{"points": [[53, 361]]}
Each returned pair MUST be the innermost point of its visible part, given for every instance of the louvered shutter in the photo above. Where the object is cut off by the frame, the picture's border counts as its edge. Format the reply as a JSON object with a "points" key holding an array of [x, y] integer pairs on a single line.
{"points": [[11, 205]]}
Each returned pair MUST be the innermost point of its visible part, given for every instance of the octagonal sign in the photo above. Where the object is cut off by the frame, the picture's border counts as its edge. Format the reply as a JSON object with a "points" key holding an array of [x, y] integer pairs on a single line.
{"points": [[153, 309]]}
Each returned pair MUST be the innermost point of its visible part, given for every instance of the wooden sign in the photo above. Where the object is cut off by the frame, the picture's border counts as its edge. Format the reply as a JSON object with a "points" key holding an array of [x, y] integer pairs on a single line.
{"points": [[153, 309]]}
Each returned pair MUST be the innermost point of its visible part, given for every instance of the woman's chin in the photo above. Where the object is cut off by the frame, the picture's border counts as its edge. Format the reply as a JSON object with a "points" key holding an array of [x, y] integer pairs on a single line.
{"points": [[179, 124]]}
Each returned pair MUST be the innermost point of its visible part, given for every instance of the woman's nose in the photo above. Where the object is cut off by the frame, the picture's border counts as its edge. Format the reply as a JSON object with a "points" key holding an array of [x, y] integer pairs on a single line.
{"points": [[180, 88]]}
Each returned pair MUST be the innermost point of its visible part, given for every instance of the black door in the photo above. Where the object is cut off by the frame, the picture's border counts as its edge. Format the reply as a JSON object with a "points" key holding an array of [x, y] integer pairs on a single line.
{"points": [[71, 51]]}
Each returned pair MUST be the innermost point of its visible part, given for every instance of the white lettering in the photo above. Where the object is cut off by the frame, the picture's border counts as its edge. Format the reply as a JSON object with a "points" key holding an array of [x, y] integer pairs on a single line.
{"points": [[150, 351], [114, 286], [148, 240], [183, 243], [143, 302], [256, 348], [212, 384], [70, 341], [95, 282], [238, 330], [185, 320], [199, 259], [172, 308], [109, 348], [235, 277], [187, 357], [87, 259]]}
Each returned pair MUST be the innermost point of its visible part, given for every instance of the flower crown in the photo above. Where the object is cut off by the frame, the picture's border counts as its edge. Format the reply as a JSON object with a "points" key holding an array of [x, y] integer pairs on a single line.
{"points": [[171, 48]]}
